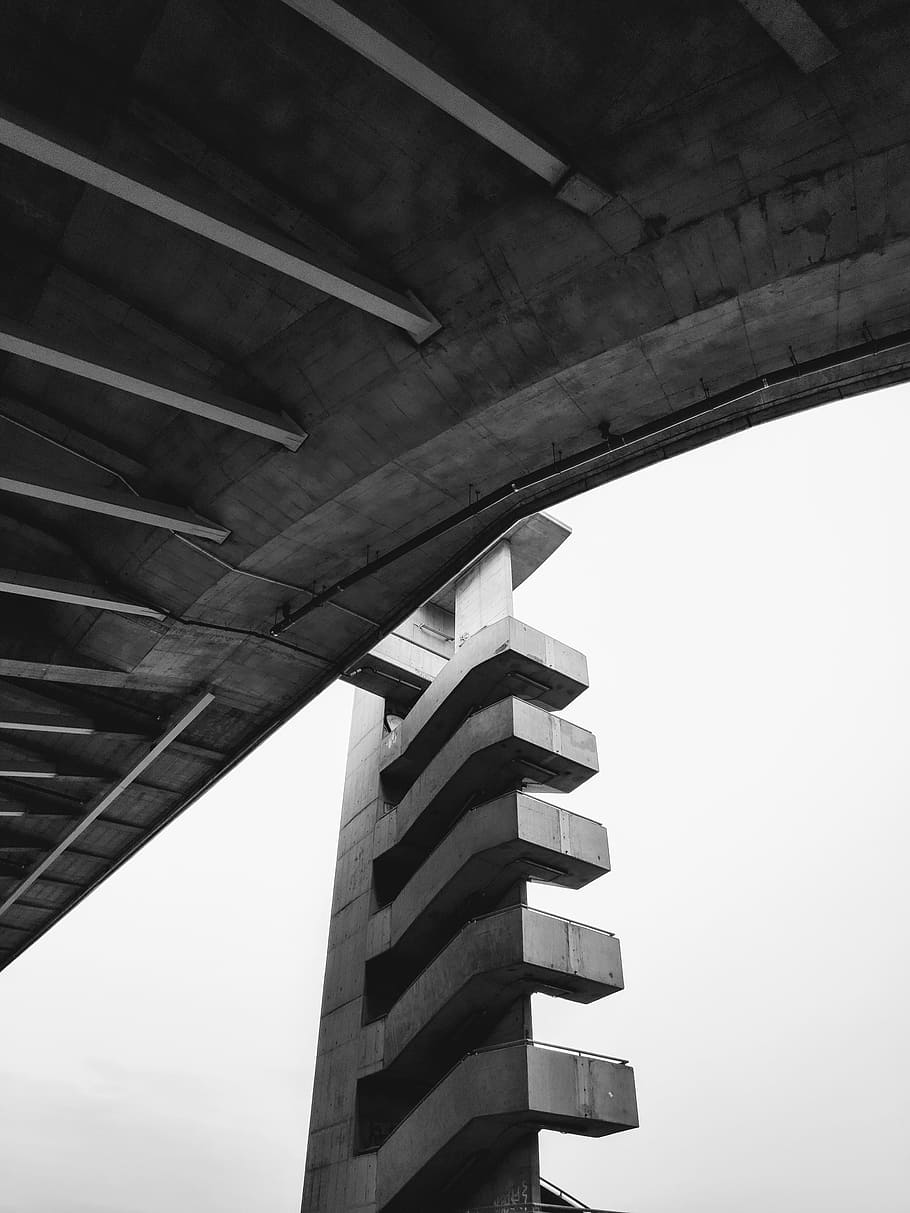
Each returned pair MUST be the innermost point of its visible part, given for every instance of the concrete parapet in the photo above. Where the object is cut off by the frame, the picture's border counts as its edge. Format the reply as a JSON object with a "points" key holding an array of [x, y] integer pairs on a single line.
{"points": [[511, 838], [496, 750], [489, 963], [490, 1097]]}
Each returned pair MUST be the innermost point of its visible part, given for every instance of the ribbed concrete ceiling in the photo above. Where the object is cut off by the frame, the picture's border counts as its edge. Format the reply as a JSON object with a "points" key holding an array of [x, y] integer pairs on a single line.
{"points": [[747, 170]]}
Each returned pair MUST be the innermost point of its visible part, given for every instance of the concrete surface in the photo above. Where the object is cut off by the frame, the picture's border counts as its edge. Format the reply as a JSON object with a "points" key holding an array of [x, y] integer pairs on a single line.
{"points": [[473, 979], [504, 658], [756, 217], [496, 749], [485, 1099], [490, 848]]}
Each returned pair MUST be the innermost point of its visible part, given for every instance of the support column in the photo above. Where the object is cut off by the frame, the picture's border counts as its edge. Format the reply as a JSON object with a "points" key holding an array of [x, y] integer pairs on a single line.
{"points": [[429, 1088], [483, 593]]}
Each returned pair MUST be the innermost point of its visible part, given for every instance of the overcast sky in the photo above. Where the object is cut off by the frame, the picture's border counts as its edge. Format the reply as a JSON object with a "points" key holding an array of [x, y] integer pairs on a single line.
{"points": [[744, 610]]}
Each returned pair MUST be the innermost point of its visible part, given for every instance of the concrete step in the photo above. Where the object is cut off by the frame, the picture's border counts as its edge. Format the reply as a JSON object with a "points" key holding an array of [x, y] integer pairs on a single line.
{"points": [[489, 1096], [506, 658], [480, 973], [507, 746], [511, 838]]}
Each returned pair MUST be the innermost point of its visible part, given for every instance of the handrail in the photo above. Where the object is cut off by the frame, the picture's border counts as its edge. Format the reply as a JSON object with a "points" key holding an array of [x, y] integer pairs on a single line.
{"points": [[543, 1044], [536, 1206], [572, 922], [564, 1194]]}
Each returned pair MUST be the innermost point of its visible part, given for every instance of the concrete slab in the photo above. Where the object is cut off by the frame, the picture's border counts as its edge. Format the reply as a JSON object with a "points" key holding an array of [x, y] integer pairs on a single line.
{"points": [[533, 541]]}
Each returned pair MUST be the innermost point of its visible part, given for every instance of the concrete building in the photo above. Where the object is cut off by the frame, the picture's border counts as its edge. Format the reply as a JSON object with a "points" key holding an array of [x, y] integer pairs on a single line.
{"points": [[430, 1087]]}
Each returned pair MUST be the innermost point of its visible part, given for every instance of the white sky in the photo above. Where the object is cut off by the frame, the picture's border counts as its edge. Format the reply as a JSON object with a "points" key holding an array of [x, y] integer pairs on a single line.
{"points": [[744, 610]]}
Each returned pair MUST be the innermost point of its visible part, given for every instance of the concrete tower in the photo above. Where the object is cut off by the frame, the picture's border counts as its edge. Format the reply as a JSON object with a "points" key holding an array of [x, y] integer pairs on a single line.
{"points": [[429, 1088]]}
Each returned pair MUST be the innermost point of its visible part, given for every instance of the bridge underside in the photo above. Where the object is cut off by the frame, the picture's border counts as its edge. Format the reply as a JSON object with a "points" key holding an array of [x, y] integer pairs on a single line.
{"points": [[272, 320]]}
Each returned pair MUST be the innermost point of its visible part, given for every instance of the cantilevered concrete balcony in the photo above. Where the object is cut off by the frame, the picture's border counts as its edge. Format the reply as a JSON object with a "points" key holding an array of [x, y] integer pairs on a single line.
{"points": [[489, 1099], [506, 658], [478, 975], [511, 838], [498, 749]]}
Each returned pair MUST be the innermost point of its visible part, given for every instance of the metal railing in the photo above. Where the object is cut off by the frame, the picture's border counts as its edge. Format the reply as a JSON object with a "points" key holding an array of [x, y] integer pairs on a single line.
{"points": [[545, 914], [535, 1206], [543, 1044]]}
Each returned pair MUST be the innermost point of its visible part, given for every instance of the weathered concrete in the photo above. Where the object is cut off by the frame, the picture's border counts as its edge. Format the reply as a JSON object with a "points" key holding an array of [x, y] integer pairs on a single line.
{"points": [[491, 1096], [755, 219], [434, 953], [498, 748], [481, 971], [501, 659], [484, 594], [336, 1179], [490, 848]]}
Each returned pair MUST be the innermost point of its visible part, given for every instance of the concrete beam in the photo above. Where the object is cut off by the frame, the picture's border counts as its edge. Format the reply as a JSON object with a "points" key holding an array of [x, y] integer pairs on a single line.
{"points": [[22, 134], [236, 414], [91, 676], [56, 589], [14, 720], [794, 31], [27, 710], [465, 107], [469, 110], [41, 799], [112, 504], [43, 424], [14, 767], [15, 839], [532, 541], [108, 798], [27, 758], [404, 663]]}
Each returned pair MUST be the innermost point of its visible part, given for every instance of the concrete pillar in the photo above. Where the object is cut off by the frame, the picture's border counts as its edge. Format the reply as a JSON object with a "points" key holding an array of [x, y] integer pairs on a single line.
{"points": [[483, 594], [337, 1179], [405, 889]]}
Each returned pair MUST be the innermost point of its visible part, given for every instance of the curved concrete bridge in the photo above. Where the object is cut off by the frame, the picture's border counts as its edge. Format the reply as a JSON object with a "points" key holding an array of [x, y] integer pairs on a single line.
{"points": [[303, 305]]}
